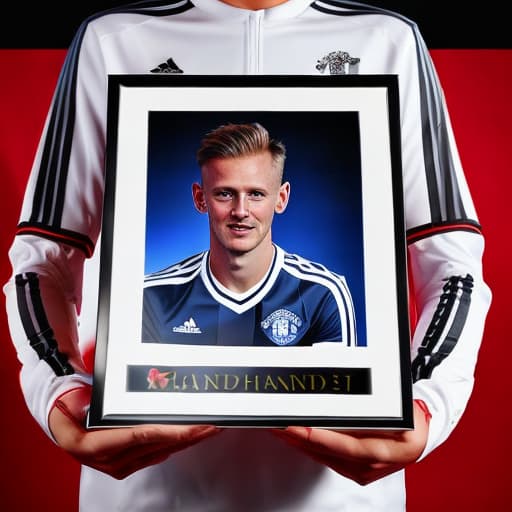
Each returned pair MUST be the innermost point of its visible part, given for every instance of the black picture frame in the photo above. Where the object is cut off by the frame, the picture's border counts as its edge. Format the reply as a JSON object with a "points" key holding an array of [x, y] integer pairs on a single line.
{"points": [[344, 154]]}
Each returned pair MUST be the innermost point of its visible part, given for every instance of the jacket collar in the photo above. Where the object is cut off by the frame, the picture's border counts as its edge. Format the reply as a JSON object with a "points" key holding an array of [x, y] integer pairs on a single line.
{"points": [[288, 9]]}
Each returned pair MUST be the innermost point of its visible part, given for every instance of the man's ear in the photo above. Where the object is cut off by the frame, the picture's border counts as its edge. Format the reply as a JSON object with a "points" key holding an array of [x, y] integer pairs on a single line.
{"points": [[199, 199], [283, 197]]}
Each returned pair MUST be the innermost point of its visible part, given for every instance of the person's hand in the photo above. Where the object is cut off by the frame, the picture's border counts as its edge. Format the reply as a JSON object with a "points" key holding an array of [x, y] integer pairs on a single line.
{"points": [[363, 456], [118, 452]]}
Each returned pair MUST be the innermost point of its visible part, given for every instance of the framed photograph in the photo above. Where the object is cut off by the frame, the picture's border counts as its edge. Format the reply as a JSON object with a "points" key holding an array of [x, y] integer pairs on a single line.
{"points": [[321, 338]]}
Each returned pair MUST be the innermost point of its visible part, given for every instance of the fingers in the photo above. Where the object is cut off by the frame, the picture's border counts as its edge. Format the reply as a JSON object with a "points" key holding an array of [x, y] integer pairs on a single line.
{"points": [[155, 447], [111, 441], [328, 442], [348, 456], [370, 449], [121, 451], [128, 462], [362, 473], [363, 445], [363, 456]]}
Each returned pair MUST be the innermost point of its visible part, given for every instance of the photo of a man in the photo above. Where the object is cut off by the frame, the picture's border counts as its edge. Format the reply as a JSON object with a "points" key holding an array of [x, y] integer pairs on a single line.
{"points": [[245, 290]]}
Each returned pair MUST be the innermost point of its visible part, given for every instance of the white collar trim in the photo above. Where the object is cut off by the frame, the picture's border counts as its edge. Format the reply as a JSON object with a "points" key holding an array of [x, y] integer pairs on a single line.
{"points": [[241, 302]]}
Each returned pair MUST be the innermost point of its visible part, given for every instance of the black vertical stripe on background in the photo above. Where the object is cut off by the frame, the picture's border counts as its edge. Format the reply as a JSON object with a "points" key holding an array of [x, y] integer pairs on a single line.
{"points": [[443, 25]]}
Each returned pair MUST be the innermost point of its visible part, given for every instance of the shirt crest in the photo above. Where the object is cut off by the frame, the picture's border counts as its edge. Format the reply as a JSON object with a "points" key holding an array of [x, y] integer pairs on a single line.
{"points": [[338, 62], [281, 326]]}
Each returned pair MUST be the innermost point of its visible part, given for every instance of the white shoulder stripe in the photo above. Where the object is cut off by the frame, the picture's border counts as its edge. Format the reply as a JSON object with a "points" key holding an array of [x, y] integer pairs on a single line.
{"points": [[178, 273], [317, 273]]}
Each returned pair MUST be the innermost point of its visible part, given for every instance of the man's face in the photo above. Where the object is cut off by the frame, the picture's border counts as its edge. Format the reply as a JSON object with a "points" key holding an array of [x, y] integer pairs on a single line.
{"points": [[240, 196]]}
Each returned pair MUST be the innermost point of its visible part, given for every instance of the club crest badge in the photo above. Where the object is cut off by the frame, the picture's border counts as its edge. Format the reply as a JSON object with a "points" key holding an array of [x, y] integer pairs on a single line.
{"points": [[282, 326], [339, 63]]}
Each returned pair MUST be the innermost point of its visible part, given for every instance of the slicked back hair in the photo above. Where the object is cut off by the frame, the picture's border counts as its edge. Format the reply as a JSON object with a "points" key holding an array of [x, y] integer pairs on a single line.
{"points": [[239, 140]]}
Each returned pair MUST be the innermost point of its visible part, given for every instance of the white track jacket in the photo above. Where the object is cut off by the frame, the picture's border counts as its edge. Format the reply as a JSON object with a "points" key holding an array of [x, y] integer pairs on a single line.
{"points": [[242, 470]]}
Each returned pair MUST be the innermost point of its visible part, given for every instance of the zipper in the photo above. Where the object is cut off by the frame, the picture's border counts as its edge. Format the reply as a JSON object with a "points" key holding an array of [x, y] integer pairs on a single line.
{"points": [[255, 42]]}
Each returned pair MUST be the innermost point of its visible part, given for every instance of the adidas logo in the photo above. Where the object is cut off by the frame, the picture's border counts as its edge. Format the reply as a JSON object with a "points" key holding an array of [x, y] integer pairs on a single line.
{"points": [[188, 327], [169, 66]]}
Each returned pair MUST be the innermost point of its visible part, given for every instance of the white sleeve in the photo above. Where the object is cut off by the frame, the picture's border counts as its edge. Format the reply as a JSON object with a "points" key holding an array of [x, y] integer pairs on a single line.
{"points": [[58, 229], [445, 247], [42, 315], [452, 301]]}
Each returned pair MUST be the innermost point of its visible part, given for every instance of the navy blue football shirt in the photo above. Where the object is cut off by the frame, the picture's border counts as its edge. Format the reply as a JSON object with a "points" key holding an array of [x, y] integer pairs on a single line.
{"points": [[298, 302]]}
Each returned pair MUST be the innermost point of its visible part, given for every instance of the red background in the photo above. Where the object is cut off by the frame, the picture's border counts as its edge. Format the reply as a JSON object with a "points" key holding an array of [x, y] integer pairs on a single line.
{"points": [[470, 471]]}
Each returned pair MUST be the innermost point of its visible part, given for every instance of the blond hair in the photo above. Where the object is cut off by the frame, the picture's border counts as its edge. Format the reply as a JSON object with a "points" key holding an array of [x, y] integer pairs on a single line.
{"points": [[238, 140]]}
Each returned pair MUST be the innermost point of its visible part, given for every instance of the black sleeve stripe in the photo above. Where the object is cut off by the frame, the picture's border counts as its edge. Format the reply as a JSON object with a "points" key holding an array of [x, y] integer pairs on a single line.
{"points": [[445, 200], [427, 230], [48, 201], [63, 236], [36, 326], [426, 360]]}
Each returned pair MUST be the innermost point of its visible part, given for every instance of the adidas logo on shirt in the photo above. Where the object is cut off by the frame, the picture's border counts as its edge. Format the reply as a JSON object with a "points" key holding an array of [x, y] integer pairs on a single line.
{"points": [[188, 327], [169, 66]]}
